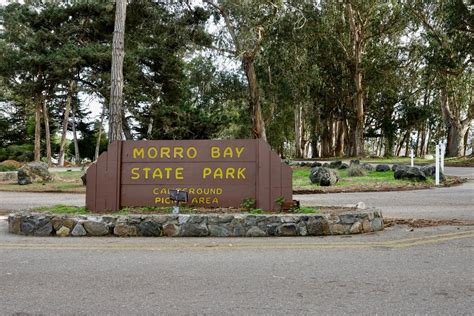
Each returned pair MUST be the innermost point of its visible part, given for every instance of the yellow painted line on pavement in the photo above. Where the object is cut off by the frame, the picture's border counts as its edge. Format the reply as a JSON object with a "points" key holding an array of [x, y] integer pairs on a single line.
{"points": [[199, 246]]}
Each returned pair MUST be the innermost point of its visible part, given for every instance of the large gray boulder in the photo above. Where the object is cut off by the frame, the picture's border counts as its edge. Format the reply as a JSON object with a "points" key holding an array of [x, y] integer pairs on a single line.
{"points": [[430, 171], [323, 176], [335, 164], [34, 172], [382, 168], [410, 173]]}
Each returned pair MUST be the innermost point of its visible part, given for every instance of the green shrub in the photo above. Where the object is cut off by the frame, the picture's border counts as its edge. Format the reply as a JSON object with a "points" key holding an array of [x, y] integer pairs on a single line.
{"points": [[17, 152], [4, 168], [356, 171]]}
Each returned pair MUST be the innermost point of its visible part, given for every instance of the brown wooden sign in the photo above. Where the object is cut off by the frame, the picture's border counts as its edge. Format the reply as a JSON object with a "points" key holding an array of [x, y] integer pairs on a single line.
{"points": [[215, 173]]}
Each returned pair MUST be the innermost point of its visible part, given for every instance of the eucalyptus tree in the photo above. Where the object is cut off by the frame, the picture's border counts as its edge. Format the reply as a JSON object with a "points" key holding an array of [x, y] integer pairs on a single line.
{"points": [[448, 28], [244, 28]]}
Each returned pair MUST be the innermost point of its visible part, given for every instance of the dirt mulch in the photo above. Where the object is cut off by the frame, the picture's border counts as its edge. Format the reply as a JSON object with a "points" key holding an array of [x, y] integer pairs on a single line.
{"points": [[418, 223]]}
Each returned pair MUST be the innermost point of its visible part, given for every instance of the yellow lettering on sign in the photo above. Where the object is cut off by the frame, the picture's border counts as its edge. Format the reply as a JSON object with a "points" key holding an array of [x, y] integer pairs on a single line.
{"points": [[240, 173], [205, 172], [191, 152], [194, 201], [239, 151], [165, 152], [215, 152], [191, 191], [164, 191], [135, 174], [178, 152], [229, 173], [218, 173], [168, 172], [138, 153], [215, 201], [179, 174], [147, 170], [157, 173], [152, 152], [228, 152]]}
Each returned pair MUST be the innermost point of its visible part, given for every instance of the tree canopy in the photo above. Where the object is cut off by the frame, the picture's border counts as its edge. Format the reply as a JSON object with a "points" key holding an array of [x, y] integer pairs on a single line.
{"points": [[315, 79]]}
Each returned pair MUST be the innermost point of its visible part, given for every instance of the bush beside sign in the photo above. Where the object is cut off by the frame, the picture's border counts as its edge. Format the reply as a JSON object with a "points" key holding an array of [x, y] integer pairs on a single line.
{"points": [[215, 173]]}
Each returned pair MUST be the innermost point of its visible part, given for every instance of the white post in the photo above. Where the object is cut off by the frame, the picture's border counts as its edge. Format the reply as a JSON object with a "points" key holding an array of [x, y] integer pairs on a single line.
{"points": [[443, 149], [412, 156], [437, 165]]}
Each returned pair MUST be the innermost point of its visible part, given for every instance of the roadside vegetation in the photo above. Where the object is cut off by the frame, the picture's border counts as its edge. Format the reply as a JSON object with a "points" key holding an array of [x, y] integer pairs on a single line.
{"points": [[372, 181], [74, 210]]}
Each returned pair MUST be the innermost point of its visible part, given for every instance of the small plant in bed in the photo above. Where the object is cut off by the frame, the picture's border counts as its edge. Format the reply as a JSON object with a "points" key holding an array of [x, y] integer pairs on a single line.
{"points": [[62, 209]]}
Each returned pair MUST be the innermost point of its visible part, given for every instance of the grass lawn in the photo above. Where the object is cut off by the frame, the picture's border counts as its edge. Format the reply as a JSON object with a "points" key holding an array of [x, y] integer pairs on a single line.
{"points": [[450, 162], [75, 210], [374, 180], [68, 181]]}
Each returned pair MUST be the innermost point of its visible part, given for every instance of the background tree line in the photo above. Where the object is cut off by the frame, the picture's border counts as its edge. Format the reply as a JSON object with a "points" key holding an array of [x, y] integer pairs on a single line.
{"points": [[314, 78]]}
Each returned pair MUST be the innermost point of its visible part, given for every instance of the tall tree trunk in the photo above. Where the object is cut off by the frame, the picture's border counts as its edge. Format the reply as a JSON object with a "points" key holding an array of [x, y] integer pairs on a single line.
{"points": [[456, 127], [47, 133], [125, 127], [116, 87], [150, 128], [400, 145], [38, 109], [340, 128], [298, 130], [99, 136], [77, 156], [466, 137], [254, 98], [62, 144], [357, 47], [407, 144]]}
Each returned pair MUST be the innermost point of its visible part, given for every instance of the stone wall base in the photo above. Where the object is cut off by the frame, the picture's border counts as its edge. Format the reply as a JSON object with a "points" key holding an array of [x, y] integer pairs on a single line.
{"points": [[209, 225]]}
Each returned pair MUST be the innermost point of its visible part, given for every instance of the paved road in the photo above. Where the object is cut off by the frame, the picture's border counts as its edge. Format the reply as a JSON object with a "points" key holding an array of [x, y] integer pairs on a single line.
{"points": [[439, 203], [428, 271]]}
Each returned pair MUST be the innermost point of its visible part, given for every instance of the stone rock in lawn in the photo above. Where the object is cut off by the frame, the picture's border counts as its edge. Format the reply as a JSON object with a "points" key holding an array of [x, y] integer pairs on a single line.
{"points": [[355, 162], [34, 172], [255, 232], [316, 164], [382, 168], [335, 164], [343, 166], [23, 177], [78, 230], [324, 175], [410, 173], [428, 157], [149, 229], [124, 230], [396, 167], [367, 166], [63, 232], [287, 230], [95, 228], [328, 178], [430, 171]]}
